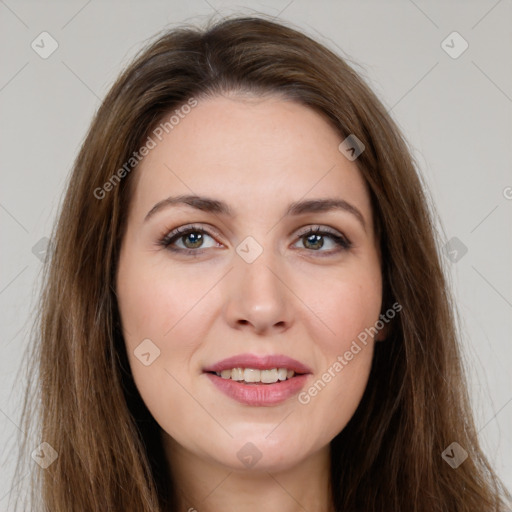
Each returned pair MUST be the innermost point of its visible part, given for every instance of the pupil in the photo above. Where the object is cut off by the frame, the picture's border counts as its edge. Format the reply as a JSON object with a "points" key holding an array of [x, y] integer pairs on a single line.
{"points": [[317, 238], [198, 239]]}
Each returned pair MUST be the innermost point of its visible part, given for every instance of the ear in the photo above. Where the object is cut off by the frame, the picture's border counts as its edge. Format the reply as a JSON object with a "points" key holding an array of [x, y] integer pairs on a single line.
{"points": [[384, 332]]}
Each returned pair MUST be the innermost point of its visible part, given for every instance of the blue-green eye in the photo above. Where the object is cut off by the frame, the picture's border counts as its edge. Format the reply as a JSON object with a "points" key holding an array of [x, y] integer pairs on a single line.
{"points": [[192, 240], [314, 239], [190, 237]]}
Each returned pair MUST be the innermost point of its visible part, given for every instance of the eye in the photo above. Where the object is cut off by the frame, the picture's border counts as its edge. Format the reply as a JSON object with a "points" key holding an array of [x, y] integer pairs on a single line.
{"points": [[314, 239], [190, 237]]}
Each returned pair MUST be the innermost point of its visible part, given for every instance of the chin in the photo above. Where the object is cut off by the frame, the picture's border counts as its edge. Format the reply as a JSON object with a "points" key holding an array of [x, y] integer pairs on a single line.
{"points": [[253, 452]]}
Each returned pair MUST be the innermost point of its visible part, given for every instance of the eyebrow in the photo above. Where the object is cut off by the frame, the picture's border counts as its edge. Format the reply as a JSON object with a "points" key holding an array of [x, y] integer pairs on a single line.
{"points": [[207, 204]]}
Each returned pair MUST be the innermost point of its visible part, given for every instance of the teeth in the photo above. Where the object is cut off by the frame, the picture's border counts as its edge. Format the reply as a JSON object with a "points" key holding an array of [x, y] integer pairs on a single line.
{"points": [[236, 374], [250, 375], [282, 373], [269, 376]]}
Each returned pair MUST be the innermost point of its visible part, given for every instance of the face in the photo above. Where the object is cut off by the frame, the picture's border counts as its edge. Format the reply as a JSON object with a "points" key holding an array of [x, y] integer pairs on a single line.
{"points": [[222, 297]]}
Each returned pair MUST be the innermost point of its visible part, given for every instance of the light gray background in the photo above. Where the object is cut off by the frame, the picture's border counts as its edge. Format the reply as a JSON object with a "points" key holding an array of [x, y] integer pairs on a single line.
{"points": [[456, 114]]}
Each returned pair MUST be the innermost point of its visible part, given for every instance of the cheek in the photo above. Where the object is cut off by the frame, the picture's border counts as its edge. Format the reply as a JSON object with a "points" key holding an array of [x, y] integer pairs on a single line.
{"points": [[348, 307], [158, 312], [155, 300], [158, 306], [349, 312]]}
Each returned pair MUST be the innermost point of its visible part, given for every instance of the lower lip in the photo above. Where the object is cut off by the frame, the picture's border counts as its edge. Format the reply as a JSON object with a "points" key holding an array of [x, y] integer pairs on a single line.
{"points": [[259, 394]]}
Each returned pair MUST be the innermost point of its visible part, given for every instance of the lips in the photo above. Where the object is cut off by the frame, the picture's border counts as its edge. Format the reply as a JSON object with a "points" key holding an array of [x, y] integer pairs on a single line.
{"points": [[258, 380]]}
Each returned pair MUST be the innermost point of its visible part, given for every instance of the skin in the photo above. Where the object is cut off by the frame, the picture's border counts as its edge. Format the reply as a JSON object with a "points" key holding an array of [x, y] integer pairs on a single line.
{"points": [[258, 154]]}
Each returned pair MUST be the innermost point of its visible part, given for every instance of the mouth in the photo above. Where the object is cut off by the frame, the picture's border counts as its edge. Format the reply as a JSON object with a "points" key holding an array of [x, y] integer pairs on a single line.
{"points": [[258, 380]]}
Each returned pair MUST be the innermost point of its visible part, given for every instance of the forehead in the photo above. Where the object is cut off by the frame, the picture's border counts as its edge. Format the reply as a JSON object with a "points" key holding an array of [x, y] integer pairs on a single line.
{"points": [[252, 152]]}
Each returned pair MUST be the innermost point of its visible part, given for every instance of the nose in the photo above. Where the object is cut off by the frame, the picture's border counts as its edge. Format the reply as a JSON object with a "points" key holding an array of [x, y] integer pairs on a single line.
{"points": [[259, 298]]}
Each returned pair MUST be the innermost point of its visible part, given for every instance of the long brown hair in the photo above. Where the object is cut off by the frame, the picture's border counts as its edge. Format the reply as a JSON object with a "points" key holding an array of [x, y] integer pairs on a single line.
{"points": [[84, 402]]}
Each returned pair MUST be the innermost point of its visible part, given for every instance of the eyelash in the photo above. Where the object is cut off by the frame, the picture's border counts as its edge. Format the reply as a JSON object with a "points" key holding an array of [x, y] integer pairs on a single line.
{"points": [[342, 242]]}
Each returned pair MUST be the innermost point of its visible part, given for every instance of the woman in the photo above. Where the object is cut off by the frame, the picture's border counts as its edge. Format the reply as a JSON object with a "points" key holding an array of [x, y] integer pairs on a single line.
{"points": [[245, 302]]}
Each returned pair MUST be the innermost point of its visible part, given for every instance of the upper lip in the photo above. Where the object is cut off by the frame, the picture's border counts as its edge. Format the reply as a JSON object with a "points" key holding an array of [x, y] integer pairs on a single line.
{"points": [[265, 362]]}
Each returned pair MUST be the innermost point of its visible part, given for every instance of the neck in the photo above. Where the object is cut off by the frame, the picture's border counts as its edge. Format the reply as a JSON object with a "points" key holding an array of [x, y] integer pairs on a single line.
{"points": [[206, 486]]}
